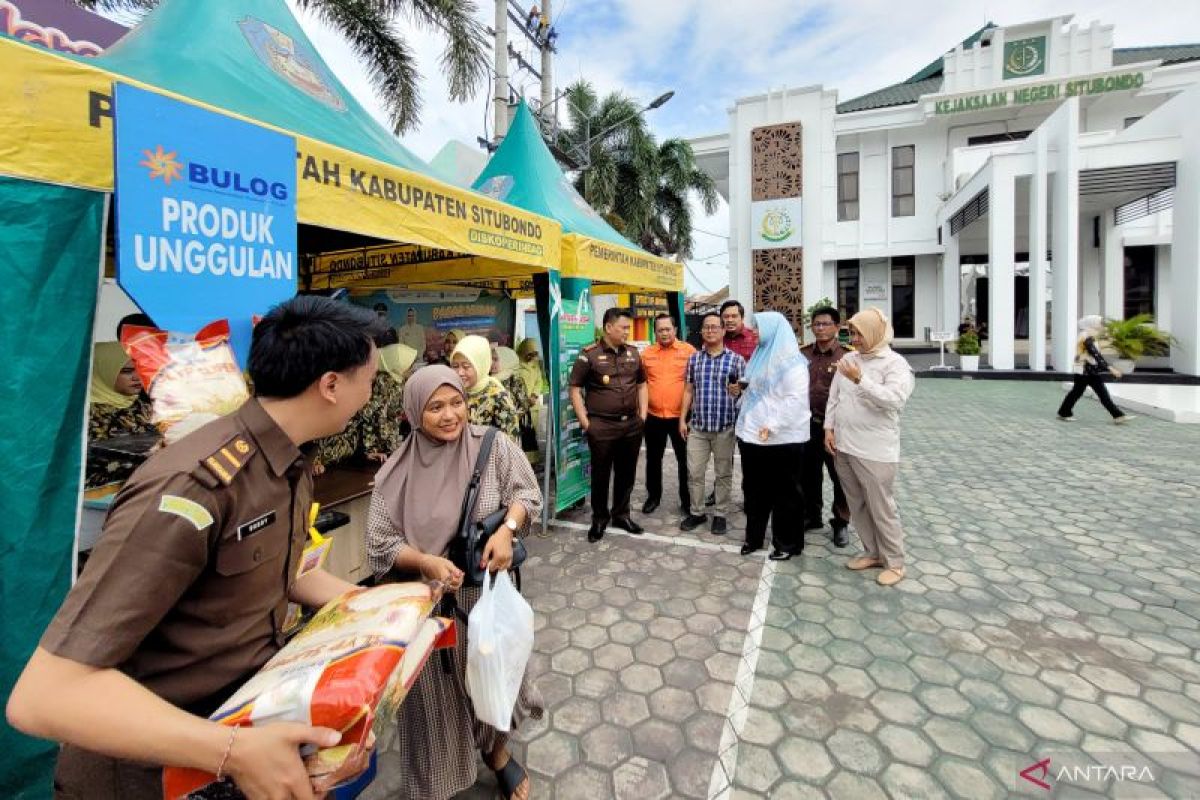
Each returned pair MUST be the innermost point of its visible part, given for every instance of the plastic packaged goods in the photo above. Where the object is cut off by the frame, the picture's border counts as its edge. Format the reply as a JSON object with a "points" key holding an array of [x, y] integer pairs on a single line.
{"points": [[351, 665], [191, 380]]}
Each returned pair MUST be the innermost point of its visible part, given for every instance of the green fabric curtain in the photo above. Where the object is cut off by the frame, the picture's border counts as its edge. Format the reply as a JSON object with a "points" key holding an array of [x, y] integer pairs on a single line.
{"points": [[50, 240]]}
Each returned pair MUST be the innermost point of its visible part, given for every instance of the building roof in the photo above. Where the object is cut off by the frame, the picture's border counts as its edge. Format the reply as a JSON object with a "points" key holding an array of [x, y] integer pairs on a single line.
{"points": [[929, 79]]}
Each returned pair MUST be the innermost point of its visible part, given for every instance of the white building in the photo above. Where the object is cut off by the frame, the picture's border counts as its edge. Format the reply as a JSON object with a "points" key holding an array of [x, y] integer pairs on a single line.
{"points": [[1031, 175]]}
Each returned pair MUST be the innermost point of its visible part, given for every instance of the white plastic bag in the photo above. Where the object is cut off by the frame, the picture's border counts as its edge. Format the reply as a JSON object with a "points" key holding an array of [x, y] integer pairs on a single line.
{"points": [[499, 641]]}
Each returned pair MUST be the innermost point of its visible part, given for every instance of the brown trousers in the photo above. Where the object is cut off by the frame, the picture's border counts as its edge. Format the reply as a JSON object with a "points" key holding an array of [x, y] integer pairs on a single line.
{"points": [[83, 775], [868, 487]]}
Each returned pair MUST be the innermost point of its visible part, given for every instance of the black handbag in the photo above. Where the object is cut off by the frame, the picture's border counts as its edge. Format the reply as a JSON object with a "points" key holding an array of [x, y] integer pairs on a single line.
{"points": [[466, 549]]}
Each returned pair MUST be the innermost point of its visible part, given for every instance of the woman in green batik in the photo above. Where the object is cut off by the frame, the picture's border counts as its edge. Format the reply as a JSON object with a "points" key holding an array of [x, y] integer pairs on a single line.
{"points": [[488, 402], [374, 432], [118, 407]]}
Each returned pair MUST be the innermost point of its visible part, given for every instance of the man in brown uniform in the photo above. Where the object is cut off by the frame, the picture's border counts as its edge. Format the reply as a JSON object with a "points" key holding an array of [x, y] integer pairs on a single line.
{"points": [[185, 594], [822, 356], [613, 416]]}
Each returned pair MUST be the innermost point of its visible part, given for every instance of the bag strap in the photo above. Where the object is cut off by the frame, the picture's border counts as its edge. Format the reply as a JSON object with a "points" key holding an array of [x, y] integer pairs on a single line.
{"points": [[471, 497]]}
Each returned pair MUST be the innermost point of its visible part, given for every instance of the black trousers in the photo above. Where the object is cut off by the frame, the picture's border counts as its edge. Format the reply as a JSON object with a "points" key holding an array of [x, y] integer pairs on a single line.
{"points": [[1081, 384], [614, 448], [817, 461], [772, 482], [658, 430]]}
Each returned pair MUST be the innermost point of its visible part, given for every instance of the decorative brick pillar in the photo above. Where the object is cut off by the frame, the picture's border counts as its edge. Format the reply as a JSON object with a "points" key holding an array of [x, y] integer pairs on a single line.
{"points": [[776, 170]]}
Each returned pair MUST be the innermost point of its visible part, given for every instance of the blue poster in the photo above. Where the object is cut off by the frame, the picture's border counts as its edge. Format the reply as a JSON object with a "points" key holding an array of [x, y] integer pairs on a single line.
{"points": [[205, 215]]}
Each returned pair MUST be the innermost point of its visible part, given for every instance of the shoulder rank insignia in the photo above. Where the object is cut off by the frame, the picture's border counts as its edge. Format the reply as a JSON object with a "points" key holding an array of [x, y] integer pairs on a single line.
{"points": [[591, 347], [228, 460]]}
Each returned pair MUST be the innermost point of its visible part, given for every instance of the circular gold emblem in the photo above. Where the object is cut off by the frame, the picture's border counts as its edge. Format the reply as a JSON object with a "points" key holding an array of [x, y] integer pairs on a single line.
{"points": [[241, 446]]}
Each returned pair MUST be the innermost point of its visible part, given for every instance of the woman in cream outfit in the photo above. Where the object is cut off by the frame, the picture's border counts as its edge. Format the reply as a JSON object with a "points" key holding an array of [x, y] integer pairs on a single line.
{"points": [[862, 430]]}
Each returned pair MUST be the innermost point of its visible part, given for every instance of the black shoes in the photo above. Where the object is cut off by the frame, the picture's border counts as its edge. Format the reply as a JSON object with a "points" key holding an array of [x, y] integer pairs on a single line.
{"points": [[628, 525], [747, 549], [840, 537], [780, 555], [649, 506], [718, 526], [711, 500], [814, 525], [596, 532], [693, 521]]}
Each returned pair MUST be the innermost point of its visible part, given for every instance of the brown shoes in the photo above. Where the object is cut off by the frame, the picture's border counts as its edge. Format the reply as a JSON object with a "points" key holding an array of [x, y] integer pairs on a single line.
{"points": [[890, 577], [863, 562]]}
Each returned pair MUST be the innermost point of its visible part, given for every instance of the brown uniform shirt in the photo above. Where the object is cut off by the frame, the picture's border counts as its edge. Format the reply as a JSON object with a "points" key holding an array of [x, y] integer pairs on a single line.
{"points": [[187, 587], [821, 371], [610, 380]]}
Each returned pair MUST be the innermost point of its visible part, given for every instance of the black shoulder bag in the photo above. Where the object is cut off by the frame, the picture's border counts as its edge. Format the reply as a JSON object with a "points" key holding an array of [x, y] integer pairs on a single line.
{"points": [[466, 549]]}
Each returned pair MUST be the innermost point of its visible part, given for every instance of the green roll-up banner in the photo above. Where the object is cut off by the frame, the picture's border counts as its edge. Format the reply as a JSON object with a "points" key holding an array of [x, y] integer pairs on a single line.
{"points": [[575, 332], [50, 247]]}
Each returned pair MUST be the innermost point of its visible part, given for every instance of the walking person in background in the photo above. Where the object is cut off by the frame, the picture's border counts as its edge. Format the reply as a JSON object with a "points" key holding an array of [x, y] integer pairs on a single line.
{"points": [[823, 355], [1090, 367], [862, 431], [710, 394], [772, 429], [665, 363], [609, 396]]}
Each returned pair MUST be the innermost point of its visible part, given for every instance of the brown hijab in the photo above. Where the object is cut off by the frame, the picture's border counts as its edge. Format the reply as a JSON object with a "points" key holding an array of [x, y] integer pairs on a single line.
{"points": [[423, 482], [874, 328]]}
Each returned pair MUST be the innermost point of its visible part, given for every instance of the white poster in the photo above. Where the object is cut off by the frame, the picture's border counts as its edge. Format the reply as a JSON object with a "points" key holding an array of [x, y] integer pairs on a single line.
{"points": [[775, 223]]}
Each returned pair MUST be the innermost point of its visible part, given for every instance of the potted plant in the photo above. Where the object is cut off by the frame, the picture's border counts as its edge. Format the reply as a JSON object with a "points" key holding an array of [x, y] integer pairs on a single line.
{"points": [[968, 350], [1133, 338]]}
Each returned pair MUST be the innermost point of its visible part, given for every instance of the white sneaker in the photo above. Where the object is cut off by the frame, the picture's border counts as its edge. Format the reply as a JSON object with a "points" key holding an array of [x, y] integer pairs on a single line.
{"points": [[1121, 420], [1061, 418]]}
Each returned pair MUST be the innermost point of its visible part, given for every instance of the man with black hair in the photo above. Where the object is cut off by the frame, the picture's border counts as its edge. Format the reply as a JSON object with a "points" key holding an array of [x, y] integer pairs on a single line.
{"points": [[138, 320], [823, 355], [613, 416], [665, 363], [185, 594], [738, 337]]}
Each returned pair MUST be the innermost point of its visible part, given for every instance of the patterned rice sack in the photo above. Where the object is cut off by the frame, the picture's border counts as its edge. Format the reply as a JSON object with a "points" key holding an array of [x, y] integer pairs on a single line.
{"points": [[352, 664]]}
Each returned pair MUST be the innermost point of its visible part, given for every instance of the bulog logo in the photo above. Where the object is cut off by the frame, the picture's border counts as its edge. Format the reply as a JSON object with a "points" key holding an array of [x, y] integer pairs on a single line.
{"points": [[165, 164]]}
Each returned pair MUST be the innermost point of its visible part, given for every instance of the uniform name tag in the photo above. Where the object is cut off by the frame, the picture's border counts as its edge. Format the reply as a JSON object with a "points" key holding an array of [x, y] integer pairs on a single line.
{"points": [[248, 529]]}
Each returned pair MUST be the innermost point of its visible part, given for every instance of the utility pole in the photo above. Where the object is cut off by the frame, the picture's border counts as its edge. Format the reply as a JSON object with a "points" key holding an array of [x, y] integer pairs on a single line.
{"points": [[547, 107], [500, 98]]}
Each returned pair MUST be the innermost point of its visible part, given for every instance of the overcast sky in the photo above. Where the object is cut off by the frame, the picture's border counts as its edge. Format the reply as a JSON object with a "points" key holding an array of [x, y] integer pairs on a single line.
{"points": [[710, 52]]}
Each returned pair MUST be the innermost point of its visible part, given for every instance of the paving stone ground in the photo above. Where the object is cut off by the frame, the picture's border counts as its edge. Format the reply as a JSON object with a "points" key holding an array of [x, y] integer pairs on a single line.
{"points": [[1052, 611]]}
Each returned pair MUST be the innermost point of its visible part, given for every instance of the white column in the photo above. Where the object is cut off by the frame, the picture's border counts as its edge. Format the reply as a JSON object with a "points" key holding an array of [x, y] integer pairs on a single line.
{"points": [[1065, 236], [1037, 256], [1185, 260], [1001, 268], [950, 306], [1112, 276]]}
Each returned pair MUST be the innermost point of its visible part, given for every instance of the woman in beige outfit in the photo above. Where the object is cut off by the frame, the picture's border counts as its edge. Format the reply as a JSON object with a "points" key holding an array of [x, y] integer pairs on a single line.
{"points": [[862, 431]]}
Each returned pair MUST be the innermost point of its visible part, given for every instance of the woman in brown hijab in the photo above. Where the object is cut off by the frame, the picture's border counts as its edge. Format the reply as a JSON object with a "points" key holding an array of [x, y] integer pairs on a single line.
{"points": [[862, 431], [414, 515]]}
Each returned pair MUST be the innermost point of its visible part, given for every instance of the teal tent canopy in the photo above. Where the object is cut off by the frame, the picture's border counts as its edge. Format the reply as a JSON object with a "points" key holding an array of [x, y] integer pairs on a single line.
{"points": [[251, 57], [524, 173]]}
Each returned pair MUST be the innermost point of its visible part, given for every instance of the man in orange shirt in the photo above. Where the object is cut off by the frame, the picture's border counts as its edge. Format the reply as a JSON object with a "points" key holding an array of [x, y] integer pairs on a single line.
{"points": [[665, 363]]}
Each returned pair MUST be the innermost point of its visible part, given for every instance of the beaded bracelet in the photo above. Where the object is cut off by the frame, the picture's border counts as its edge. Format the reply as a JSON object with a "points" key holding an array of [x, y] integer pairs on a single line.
{"points": [[228, 750]]}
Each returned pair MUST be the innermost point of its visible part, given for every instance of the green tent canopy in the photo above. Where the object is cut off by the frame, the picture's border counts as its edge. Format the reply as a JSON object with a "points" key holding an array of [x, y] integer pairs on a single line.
{"points": [[523, 172], [251, 57]]}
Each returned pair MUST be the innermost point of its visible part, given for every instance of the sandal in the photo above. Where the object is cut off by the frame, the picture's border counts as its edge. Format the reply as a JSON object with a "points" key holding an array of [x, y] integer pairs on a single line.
{"points": [[510, 777]]}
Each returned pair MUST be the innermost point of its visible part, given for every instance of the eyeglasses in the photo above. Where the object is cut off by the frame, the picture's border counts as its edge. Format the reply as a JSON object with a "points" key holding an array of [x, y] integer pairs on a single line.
{"points": [[712, 327]]}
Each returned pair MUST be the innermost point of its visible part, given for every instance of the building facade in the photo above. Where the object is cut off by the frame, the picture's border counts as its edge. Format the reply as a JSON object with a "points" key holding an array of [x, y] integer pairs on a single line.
{"points": [[1031, 175]]}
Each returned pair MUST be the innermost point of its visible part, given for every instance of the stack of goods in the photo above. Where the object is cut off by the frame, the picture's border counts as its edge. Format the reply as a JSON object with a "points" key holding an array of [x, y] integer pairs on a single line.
{"points": [[351, 665]]}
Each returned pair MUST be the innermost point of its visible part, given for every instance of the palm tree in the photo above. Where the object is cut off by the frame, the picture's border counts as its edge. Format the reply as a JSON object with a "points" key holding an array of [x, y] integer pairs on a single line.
{"points": [[626, 175], [390, 62]]}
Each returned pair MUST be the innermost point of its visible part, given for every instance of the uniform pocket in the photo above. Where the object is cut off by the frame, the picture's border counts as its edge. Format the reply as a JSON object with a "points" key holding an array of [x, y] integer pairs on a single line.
{"points": [[238, 558]]}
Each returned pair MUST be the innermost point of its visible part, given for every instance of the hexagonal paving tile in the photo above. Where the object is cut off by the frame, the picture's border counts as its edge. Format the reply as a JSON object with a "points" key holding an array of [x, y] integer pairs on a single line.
{"points": [[906, 744], [657, 740], [606, 746], [640, 779], [551, 753], [641, 678], [625, 709], [576, 715], [803, 758]]}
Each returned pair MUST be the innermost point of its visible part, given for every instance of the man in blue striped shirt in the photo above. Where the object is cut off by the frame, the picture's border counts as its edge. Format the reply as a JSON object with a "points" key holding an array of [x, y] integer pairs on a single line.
{"points": [[711, 394]]}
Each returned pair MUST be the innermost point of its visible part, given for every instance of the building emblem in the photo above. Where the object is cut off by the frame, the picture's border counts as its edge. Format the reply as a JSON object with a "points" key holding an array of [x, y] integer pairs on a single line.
{"points": [[1025, 57], [777, 225], [497, 187], [292, 61]]}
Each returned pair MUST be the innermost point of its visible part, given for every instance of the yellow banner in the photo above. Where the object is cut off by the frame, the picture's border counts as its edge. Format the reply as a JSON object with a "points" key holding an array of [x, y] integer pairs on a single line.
{"points": [[409, 265], [607, 263], [57, 128]]}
